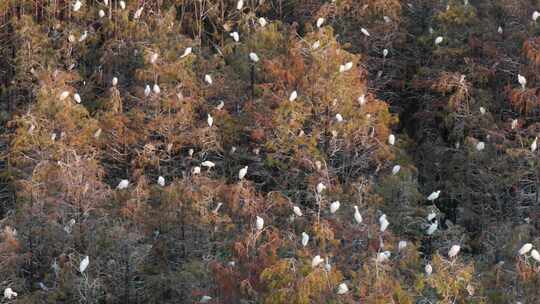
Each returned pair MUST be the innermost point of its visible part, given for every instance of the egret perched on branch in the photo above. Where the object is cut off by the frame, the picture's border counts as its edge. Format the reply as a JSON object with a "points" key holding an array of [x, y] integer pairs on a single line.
{"points": [[208, 164], [77, 6], [101, 13], [9, 293], [342, 289], [439, 40], [320, 187], [114, 81], [383, 256], [396, 169], [161, 181], [154, 58], [383, 222], [357, 215], [514, 124], [196, 170], [83, 36], [253, 57], [365, 32], [432, 228], [385, 53], [320, 22], [293, 96], [187, 51], [156, 89], [138, 13], [97, 133], [402, 245], [297, 211], [339, 118], [316, 261], [480, 146], [84, 263], [525, 249], [362, 99], [123, 184], [391, 139], [305, 239], [535, 255], [239, 5], [434, 195], [220, 105], [77, 98], [242, 173], [522, 81], [534, 144], [262, 22], [208, 79], [431, 216], [429, 269], [345, 67], [482, 110], [123, 4], [147, 91], [235, 36], [454, 250], [210, 120], [316, 45], [500, 30], [64, 95], [259, 223], [535, 15], [205, 299], [334, 207]]}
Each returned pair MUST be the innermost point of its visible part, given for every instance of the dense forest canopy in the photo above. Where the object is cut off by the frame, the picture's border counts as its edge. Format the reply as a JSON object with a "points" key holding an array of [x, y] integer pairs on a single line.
{"points": [[268, 151]]}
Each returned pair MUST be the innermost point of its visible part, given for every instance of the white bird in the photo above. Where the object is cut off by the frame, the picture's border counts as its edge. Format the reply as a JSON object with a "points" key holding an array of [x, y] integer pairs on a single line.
{"points": [[385, 53], [253, 57], [514, 124], [220, 105], [161, 181], [339, 118], [345, 67], [106, 2], [9, 293], [71, 38], [123, 184], [305, 239], [205, 299], [534, 145], [53, 136], [210, 120], [190, 152], [434, 195], [114, 81], [334, 207], [84, 263], [83, 36], [101, 13], [208, 79], [439, 40], [138, 13], [429, 269], [431, 216], [64, 95], [262, 22], [156, 89], [97, 133], [208, 164], [357, 215], [297, 211], [535, 255], [122, 5], [535, 15], [320, 187], [342, 289], [480, 146], [364, 31], [196, 170], [316, 45], [187, 51], [316, 261], [77, 6], [500, 30], [242, 173], [259, 222], [402, 245], [387, 19], [235, 36], [525, 249], [383, 256], [320, 22], [454, 250], [383, 222], [362, 99], [154, 58], [239, 4], [77, 98], [391, 139], [396, 169], [522, 81], [432, 228], [293, 96], [482, 110], [147, 91]]}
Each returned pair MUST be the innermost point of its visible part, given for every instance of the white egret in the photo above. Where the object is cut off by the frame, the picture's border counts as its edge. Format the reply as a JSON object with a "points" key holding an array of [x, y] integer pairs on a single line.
{"points": [[342, 289], [362, 99], [83, 36], [97, 133], [320, 22], [259, 222], [514, 124], [305, 239], [84, 264], [220, 105], [154, 58], [396, 169], [383, 256], [391, 139], [316, 261], [522, 81], [77, 6], [208, 164], [9, 293], [429, 269], [187, 51], [239, 5], [480, 146], [297, 211], [293, 96], [262, 22], [64, 95], [196, 170], [357, 215], [205, 299], [339, 118], [402, 245], [242, 173], [318, 165], [77, 98], [525, 249], [535, 255], [101, 13], [387, 19], [235, 36], [482, 110], [123, 5], [454, 250], [190, 152], [432, 228], [71, 38], [535, 15], [156, 89], [383, 222], [534, 145], [500, 30], [210, 120], [123, 184], [346, 67], [31, 129], [431, 216], [316, 45], [138, 13], [320, 187], [365, 32], [147, 91], [161, 181], [385, 53], [208, 79], [334, 206], [254, 57], [439, 40], [434, 195], [114, 81]]}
